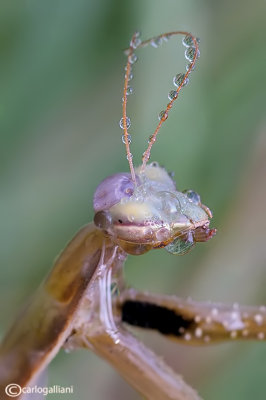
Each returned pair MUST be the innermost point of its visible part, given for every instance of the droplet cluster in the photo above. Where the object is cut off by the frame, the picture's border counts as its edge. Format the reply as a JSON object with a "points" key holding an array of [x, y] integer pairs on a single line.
{"points": [[181, 79], [221, 322], [128, 90]]}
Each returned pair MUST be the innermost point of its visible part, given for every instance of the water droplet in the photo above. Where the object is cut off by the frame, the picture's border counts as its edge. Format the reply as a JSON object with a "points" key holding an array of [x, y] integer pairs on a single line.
{"points": [[258, 319], [132, 58], [198, 332], [187, 336], [192, 196], [188, 41], [124, 138], [150, 139], [129, 156], [197, 318], [144, 156], [233, 334], [166, 38], [179, 80], [135, 42], [190, 53], [162, 115], [178, 246], [234, 315], [130, 76], [190, 65], [156, 42], [121, 123], [129, 90], [172, 95], [214, 311]]}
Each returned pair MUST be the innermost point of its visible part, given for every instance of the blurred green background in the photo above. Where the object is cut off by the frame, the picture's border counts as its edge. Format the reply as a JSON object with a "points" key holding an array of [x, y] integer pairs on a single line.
{"points": [[62, 70]]}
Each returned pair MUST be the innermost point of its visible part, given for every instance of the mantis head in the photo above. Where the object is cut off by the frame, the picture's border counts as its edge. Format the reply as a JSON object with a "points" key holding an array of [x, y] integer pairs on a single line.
{"points": [[151, 213]]}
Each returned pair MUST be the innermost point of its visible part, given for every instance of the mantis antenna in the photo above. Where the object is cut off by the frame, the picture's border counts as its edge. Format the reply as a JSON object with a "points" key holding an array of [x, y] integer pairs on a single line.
{"points": [[180, 80]]}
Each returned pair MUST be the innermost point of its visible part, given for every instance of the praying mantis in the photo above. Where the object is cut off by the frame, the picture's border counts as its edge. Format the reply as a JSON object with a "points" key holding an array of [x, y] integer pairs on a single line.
{"points": [[85, 303]]}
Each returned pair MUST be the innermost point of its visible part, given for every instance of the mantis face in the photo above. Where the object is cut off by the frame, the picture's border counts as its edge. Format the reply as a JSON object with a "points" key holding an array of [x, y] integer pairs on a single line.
{"points": [[151, 213]]}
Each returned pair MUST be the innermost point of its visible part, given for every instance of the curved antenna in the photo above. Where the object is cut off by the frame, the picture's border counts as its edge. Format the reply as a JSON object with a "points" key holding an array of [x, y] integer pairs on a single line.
{"points": [[180, 80], [125, 121]]}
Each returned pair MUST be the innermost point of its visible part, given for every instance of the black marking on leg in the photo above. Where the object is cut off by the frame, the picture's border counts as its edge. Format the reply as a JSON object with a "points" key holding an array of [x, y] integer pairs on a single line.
{"points": [[151, 316]]}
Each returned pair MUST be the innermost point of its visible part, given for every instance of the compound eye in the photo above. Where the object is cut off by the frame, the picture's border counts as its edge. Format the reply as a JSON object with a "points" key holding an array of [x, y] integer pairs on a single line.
{"points": [[192, 196], [111, 190], [103, 220]]}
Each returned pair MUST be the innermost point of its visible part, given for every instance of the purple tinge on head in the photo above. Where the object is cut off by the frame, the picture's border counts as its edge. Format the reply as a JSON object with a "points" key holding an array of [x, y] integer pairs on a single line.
{"points": [[111, 190]]}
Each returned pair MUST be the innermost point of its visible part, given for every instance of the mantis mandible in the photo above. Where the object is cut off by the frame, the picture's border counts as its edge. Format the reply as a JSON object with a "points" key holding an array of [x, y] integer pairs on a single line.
{"points": [[84, 302]]}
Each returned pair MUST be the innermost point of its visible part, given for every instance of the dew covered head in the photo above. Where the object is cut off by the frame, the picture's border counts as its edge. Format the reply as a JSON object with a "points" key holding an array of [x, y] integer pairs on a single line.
{"points": [[144, 210], [151, 213]]}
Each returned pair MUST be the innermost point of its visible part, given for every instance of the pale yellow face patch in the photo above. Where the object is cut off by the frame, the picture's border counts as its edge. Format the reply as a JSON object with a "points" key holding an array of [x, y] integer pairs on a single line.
{"points": [[131, 211]]}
